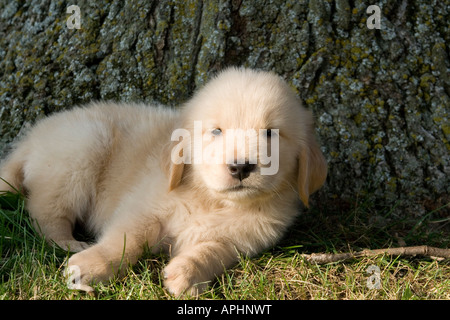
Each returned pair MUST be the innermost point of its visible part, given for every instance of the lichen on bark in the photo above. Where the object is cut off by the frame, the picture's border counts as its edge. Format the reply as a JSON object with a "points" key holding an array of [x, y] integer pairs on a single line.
{"points": [[380, 97]]}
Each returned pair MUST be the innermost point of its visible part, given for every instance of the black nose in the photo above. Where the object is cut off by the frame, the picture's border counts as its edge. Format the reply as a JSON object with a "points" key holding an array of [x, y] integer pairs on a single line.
{"points": [[241, 171]]}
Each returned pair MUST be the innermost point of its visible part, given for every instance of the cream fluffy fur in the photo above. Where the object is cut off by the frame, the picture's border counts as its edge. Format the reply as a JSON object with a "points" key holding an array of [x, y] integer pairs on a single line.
{"points": [[109, 166]]}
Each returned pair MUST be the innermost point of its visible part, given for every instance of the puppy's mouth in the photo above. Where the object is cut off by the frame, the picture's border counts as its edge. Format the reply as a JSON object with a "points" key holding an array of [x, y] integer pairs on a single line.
{"points": [[240, 188], [237, 188]]}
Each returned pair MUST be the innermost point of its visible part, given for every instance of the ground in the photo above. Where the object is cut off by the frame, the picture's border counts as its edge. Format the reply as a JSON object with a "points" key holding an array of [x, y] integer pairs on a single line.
{"points": [[31, 269]]}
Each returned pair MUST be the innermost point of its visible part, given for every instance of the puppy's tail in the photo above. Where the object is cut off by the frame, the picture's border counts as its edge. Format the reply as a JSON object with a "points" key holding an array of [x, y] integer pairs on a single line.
{"points": [[12, 171]]}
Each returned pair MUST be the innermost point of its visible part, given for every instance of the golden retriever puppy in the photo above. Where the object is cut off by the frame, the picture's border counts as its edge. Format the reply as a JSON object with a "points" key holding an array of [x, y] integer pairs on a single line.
{"points": [[217, 178]]}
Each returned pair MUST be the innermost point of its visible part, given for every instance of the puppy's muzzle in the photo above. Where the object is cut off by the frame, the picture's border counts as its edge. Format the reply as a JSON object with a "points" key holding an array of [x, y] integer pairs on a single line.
{"points": [[241, 171]]}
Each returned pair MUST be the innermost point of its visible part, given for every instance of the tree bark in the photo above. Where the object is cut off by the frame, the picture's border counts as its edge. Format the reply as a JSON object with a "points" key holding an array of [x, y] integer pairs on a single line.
{"points": [[380, 96]]}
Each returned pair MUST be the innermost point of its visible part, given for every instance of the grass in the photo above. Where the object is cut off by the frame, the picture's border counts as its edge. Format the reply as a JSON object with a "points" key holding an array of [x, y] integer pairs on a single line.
{"points": [[31, 269]]}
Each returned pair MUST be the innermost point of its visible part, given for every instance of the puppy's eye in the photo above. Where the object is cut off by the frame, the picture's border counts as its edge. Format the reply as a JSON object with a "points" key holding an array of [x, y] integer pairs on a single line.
{"points": [[269, 133], [216, 132]]}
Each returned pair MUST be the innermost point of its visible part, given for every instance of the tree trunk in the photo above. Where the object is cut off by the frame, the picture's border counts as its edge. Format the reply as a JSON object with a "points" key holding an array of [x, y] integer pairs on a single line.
{"points": [[380, 96]]}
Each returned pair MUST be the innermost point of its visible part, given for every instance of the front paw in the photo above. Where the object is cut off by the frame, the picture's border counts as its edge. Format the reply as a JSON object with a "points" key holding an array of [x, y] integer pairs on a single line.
{"points": [[88, 267], [182, 276]]}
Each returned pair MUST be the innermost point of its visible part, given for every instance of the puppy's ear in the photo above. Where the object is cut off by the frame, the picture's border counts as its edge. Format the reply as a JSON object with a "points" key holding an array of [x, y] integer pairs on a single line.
{"points": [[175, 175], [173, 169], [312, 170]]}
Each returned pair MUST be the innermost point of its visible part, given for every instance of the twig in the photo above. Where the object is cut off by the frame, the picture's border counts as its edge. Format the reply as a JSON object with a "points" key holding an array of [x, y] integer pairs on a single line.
{"points": [[323, 258]]}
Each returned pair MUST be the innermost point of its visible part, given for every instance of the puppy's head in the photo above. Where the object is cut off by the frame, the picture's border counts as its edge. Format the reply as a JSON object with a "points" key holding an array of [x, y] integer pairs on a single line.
{"points": [[246, 136]]}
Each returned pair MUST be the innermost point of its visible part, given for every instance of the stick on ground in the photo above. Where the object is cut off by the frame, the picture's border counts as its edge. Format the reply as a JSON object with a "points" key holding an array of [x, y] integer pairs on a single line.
{"points": [[323, 258]]}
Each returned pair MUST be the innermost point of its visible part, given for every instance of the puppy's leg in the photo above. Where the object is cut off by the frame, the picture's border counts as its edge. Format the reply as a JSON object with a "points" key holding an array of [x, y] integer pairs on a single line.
{"points": [[192, 269], [120, 246], [54, 221]]}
